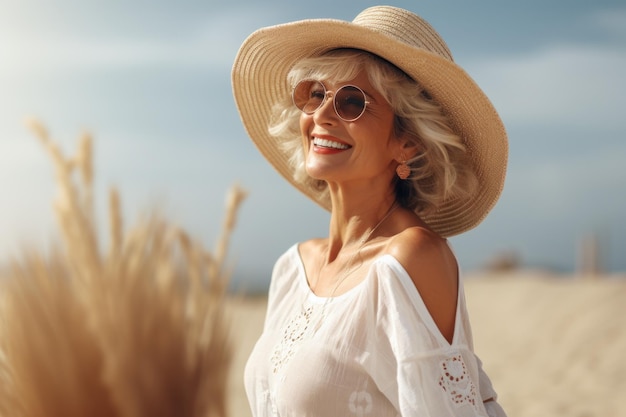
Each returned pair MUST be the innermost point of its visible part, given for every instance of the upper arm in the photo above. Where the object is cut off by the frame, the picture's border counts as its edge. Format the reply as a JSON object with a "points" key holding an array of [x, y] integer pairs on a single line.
{"points": [[433, 269]]}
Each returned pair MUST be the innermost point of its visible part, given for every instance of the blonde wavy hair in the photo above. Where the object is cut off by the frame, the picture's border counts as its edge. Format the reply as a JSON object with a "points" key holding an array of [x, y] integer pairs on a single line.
{"points": [[439, 171]]}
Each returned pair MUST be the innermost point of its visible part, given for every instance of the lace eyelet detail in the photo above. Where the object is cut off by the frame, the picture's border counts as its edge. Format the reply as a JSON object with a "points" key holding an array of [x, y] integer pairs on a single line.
{"points": [[456, 382], [294, 333]]}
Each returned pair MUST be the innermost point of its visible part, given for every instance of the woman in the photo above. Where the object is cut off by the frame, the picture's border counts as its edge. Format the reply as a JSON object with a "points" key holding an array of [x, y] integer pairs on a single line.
{"points": [[374, 121]]}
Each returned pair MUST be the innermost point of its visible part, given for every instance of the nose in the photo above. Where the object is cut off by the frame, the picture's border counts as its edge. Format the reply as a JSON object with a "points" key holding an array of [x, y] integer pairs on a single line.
{"points": [[326, 112]]}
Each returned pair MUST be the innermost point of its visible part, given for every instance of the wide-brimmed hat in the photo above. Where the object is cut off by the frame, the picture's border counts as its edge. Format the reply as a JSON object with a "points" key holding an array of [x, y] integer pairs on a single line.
{"points": [[259, 80]]}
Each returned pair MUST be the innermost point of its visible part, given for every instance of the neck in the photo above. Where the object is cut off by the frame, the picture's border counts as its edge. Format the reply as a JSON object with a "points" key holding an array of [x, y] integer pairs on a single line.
{"points": [[347, 267], [353, 225]]}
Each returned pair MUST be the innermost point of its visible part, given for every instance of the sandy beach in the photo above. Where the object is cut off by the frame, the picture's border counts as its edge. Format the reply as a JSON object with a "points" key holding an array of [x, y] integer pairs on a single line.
{"points": [[553, 345]]}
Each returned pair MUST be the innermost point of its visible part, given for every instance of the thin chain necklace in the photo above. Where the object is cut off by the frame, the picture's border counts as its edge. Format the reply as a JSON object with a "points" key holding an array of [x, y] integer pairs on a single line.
{"points": [[362, 242], [349, 270]]}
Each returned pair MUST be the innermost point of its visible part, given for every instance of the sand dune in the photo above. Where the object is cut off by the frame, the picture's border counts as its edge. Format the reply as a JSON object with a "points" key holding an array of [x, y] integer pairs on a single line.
{"points": [[553, 346]]}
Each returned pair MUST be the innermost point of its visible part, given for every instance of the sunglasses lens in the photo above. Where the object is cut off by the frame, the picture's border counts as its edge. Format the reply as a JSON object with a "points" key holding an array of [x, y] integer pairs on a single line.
{"points": [[309, 95], [350, 102]]}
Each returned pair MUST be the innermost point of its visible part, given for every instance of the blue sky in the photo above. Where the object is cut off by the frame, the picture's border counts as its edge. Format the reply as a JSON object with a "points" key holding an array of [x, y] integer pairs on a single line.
{"points": [[151, 81]]}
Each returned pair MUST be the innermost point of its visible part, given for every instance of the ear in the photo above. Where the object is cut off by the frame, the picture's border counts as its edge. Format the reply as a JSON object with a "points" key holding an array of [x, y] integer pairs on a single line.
{"points": [[408, 147]]}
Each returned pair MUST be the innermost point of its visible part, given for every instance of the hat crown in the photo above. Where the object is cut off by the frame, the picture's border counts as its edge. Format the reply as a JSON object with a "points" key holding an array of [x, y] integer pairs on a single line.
{"points": [[405, 27]]}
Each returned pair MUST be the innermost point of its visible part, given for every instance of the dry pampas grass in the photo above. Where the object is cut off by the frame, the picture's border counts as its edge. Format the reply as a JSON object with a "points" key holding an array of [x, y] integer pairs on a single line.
{"points": [[134, 330]]}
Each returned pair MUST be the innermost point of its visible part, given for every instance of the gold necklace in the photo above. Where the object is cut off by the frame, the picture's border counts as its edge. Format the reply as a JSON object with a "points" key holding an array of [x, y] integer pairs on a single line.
{"points": [[362, 243]]}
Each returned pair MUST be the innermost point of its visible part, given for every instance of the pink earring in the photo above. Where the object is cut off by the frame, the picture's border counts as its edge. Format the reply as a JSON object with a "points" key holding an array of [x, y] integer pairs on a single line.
{"points": [[403, 170]]}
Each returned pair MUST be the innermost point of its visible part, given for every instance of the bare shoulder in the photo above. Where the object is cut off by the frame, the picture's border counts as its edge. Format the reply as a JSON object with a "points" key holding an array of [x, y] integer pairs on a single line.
{"points": [[429, 261], [311, 248], [421, 250], [309, 252]]}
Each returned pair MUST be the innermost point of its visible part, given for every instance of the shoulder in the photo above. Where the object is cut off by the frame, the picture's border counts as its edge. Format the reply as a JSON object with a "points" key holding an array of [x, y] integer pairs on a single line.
{"points": [[309, 250], [309, 253], [311, 246], [287, 264], [285, 272], [420, 250], [432, 266]]}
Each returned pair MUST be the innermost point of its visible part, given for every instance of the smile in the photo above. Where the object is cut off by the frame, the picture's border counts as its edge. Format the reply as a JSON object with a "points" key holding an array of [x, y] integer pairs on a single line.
{"points": [[325, 143]]}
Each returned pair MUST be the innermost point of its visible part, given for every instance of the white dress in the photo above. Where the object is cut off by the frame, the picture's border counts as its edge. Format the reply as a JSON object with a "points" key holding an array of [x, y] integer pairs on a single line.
{"points": [[372, 351]]}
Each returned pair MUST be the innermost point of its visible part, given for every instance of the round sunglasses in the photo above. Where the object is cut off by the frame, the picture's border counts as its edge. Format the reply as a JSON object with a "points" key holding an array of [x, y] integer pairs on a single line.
{"points": [[349, 101]]}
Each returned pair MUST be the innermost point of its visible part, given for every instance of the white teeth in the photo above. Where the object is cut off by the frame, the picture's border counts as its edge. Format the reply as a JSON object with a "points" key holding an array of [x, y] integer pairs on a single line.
{"points": [[329, 144]]}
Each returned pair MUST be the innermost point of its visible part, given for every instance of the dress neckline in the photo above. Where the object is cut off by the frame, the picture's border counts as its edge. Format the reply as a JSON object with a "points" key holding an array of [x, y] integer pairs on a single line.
{"points": [[304, 281], [404, 279]]}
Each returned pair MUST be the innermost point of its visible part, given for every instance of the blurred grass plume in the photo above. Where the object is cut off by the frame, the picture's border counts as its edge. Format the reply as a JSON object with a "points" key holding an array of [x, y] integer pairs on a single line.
{"points": [[136, 330]]}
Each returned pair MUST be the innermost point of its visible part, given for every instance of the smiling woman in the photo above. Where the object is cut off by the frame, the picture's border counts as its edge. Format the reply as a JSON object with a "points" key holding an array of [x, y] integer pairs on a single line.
{"points": [[441, 167], [374, 121]]}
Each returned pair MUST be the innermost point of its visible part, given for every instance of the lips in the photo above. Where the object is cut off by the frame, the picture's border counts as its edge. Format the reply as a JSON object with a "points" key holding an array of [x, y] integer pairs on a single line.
{"points": [[330, 144]]}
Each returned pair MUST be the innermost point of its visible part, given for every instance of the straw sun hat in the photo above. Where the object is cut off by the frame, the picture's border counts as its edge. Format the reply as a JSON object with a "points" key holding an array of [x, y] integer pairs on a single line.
{"points": [[259, 80]]}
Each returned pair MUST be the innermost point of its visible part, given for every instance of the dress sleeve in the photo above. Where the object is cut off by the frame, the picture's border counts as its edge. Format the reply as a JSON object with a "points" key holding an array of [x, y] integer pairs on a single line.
{"points": [[282, 285], [488, 393], [419, 371]]}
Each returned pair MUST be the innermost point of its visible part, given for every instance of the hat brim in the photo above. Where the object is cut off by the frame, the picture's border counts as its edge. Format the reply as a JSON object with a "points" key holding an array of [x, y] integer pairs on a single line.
{"points": [[259, 81]]}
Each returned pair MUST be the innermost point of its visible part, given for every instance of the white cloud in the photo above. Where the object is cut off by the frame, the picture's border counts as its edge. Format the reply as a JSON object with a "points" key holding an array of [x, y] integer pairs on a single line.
{"points": [[211, 44], [573, 85]]}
